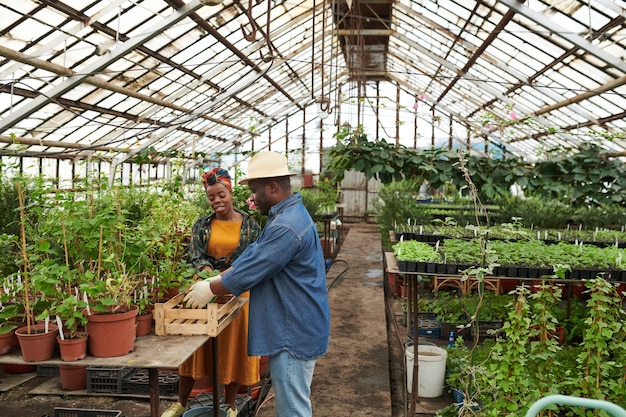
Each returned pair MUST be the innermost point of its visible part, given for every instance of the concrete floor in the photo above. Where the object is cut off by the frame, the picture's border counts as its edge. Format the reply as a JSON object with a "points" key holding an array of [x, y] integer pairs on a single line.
{"points": [[361, 375]]}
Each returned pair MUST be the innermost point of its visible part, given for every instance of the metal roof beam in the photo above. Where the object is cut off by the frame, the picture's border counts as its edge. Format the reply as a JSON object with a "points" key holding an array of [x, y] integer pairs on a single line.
{"points": [[242, 84], [58, 144], [580, 42], [611, 85], [98, 65], [481, 84], [612, 4], [9, 89], [210, 29], [485, 86], [478, 52], [97, 82], [364, 32], [63, 36]]}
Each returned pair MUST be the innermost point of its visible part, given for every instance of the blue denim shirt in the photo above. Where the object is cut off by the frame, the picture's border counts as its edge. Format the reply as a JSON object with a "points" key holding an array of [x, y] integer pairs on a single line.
{"points": [[284, 271]]}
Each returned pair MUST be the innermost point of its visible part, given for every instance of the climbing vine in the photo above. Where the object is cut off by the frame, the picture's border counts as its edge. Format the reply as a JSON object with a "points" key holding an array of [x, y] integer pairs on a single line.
{"points": [[580, 176]]}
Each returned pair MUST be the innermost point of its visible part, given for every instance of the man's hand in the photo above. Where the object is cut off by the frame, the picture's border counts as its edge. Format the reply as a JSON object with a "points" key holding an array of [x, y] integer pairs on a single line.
{"points": [[200, 294]]}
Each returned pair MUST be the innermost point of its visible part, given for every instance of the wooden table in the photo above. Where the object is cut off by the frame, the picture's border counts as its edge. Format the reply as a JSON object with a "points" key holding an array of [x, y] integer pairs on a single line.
{"points": [[151, 352], [154, 352]]}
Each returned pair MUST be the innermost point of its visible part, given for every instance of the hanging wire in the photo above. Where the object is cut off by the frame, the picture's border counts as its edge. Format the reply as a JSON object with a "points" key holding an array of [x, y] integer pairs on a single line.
{"points": [[269, 57], [250, 37], [324, 102], [313, 53]]}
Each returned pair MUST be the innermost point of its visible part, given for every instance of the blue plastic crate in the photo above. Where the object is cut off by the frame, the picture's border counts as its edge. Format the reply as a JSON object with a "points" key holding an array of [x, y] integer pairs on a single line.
{"points": [[428, 328], [434, 333]]}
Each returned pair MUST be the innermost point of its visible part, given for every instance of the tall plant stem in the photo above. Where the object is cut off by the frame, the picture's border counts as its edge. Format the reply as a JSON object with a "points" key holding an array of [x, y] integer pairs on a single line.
{"points": [[67, 257], [25, 278], [100, 253]]}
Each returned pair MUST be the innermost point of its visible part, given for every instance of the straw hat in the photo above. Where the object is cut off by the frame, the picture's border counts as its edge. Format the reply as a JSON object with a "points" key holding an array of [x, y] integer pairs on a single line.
{"points": [[267, 164]]}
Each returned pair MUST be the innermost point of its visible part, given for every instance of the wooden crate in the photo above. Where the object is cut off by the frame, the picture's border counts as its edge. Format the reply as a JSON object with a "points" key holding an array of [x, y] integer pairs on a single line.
{"points": [[172, 318]]}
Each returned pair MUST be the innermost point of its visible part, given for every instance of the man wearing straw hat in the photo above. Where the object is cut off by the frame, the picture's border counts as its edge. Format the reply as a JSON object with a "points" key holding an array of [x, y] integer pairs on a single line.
{"points": [[285, 273]]}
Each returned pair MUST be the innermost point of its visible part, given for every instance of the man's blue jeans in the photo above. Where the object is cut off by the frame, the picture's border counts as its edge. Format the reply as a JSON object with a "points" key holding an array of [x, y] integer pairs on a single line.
{"points": [[291, 381]]}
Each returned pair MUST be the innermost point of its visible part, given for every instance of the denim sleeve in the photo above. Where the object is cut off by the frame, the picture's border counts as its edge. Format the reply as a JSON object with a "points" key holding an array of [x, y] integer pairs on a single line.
{"points": [[275, 247]]}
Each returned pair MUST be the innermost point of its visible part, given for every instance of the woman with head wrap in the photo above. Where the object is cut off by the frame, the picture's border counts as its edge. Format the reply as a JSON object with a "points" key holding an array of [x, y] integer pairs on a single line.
{"points": [[216, 241]]}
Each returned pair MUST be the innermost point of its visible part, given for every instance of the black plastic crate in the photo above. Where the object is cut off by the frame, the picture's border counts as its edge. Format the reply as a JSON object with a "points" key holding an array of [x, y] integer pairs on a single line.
{"points": [[47, 370], [103, 379], [80, 412], [137, 382], [488, 329]]}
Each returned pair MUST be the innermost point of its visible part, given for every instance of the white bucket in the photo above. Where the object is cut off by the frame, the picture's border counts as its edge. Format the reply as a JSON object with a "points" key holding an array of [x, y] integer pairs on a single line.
{"points": [[432, 369]]}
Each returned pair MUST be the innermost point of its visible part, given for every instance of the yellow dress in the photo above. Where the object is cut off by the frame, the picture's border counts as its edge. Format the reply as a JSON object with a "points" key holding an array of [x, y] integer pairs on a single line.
{"points": [[234, 364]]}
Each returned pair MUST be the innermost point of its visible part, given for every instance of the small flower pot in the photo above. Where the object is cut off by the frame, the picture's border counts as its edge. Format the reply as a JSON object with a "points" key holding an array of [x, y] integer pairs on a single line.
{"points": [[6, 342], [37, 345], [73, 349], [144, 324], [73, 378]]}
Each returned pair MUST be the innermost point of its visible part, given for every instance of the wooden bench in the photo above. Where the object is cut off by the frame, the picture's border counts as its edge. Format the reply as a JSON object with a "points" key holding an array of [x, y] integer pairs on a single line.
{"points": [[391, 263], [396, 283], [448, 280], [492, 284]]}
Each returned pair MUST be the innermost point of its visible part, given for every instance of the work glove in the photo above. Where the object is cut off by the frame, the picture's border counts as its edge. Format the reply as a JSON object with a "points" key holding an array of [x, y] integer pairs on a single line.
{"points": [[200, 294]]}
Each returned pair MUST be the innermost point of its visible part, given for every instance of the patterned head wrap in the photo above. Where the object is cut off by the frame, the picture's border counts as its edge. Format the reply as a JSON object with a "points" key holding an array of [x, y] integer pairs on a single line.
{"points": [[217, 175]]}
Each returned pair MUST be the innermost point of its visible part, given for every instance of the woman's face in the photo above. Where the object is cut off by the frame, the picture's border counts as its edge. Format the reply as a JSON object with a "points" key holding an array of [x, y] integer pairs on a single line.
{"points": [[220, 198]]}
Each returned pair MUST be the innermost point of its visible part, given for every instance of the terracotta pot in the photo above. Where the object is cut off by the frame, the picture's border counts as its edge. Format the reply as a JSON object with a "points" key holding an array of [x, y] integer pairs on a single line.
{"points": [[73, 349], [578, 290], [6, 342], [171, 293], [73, 378], [144, 324], [14, 341], [112, 334], [508, 284], [37, 346]]}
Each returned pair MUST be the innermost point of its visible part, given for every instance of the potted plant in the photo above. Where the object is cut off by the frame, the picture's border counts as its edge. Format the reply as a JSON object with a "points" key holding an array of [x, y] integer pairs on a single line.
{"points": [[111, 316], [37, 340], [10, 315], [143, 298], [72, 337], [71, 320]]}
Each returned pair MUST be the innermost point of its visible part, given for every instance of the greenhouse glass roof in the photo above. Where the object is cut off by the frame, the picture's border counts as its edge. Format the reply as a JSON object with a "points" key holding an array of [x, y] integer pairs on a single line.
{"points": [[116, 78]]}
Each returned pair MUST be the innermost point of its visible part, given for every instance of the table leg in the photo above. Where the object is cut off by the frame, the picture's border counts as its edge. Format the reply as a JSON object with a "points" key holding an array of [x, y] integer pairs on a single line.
{"points": [[416, 366], [216, 389], [153, 382]]}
